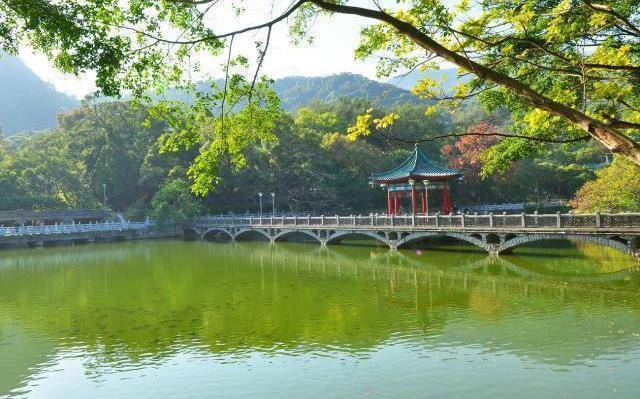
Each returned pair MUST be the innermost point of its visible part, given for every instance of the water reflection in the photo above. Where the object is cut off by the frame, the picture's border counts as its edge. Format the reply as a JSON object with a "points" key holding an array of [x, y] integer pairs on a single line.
{"points": [[127, 309]]}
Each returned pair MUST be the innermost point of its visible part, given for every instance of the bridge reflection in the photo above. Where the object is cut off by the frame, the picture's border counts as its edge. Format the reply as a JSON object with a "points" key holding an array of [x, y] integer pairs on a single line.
{"points": [[139, 304]]}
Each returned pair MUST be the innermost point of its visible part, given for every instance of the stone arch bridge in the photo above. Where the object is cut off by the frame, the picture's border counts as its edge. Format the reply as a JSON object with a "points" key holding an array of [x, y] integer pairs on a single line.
{"points": [[494, 233]]}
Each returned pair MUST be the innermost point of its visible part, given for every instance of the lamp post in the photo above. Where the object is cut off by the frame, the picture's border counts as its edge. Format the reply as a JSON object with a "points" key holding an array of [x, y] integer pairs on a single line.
{"points": [[260, 195], [273, 204], [104, 195]]}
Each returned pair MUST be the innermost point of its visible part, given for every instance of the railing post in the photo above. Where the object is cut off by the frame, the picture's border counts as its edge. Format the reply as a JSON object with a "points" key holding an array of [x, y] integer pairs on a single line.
{"points": [[558, 219], [322, 220], [462, 219], [371, 217], [523, 219], [437, 219], [337, 220], [598, 220], [413, 220], [490, 219], [353, 220], [392, 216], [308, 220], [295, 220]]}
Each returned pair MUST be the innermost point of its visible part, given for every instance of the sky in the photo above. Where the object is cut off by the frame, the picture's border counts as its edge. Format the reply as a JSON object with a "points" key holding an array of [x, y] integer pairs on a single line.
{"points": [[335, 38]]}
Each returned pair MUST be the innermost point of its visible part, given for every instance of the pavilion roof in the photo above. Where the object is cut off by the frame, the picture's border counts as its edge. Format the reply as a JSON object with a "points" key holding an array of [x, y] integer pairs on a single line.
{"points": [[418, 167]]}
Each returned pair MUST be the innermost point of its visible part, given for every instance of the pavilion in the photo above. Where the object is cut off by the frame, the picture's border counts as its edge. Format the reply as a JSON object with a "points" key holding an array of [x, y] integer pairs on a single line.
{"points": [[417, 175]]}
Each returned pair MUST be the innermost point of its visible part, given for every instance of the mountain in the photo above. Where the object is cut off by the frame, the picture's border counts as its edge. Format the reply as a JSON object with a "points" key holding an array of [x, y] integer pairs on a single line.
{"points": [[447, 77], [29, 103], [26, 101], [298, 91]]}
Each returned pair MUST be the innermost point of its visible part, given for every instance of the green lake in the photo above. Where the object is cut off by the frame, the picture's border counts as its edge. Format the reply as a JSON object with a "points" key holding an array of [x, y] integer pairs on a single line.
{"points": [[177, 319]]}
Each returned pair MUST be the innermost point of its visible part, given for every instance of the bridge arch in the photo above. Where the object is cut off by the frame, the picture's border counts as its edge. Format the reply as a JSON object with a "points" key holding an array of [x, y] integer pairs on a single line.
{"points": [[612, 242], [217, 230], [284, 233], [470, 238], [244, 232], [336, 236]]}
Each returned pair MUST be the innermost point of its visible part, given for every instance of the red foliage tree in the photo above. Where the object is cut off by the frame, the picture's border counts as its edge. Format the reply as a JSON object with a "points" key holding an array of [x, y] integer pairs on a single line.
{"points": [[465, 154]]}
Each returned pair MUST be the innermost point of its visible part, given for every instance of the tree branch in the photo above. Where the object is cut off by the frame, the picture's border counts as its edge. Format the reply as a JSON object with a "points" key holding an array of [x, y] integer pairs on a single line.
{"points": [[620, 124], [605, 8], [202, 39], [609, 137], [224, 93], [516, 136], [260, 61]]}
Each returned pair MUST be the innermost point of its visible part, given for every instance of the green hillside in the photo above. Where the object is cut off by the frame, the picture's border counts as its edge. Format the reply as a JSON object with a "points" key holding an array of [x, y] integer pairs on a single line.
{"points": [[296, 92], [27, 103]]}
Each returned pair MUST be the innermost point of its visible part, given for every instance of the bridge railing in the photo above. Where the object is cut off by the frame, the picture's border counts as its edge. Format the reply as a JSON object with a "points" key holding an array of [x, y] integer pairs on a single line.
{"points": [[72, 228], [491, 221]]}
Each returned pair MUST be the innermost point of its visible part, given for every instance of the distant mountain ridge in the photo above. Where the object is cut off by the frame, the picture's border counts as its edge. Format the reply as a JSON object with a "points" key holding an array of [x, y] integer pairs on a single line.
{"points": [[26, 101], [299, 91], [447, 78], [29, 103]]}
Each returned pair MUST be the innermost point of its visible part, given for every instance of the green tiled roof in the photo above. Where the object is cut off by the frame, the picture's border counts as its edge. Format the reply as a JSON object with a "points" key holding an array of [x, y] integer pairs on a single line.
{"points": [[417, 167]]}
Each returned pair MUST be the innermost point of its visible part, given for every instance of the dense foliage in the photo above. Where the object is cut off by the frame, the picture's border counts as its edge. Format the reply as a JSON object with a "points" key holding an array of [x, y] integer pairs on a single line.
{"points": [[310, 165], [616, 189], [564, 69]]}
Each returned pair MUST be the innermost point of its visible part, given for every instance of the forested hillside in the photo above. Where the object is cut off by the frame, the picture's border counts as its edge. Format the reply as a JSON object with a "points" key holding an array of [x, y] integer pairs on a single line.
{"points": [[296, 92], [311, 167], [446, 78], [26, 101]]}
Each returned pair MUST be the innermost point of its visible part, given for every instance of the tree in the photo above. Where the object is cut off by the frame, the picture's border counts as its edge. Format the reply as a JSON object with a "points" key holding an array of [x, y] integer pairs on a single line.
{"points": [[616, 189], [466, 155], [566, 70], [112, 141], [174, 203]]}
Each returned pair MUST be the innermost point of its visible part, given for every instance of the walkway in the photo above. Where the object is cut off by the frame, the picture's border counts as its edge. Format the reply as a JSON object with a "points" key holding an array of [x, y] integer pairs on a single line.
{"points": [[494, 233], [38, 235]]}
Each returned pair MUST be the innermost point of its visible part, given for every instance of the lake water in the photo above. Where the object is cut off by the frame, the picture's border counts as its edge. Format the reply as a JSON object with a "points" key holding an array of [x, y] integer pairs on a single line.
{"points": [[203, 320]]}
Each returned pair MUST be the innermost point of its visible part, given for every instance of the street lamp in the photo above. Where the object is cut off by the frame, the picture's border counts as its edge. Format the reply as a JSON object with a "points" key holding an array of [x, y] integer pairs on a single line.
{"points": [[260, 195], [273, 204], [104, 195]]}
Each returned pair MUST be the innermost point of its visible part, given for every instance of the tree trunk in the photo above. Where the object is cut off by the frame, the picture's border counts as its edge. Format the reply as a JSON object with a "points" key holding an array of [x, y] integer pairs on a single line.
{"points": [[609, 137]]}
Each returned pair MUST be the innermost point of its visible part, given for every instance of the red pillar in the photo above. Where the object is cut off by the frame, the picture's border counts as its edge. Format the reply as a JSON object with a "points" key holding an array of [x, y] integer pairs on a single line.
{"points": [[414, 203], [389, 210], [424, 204], [446, 199], [395, 207]]}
